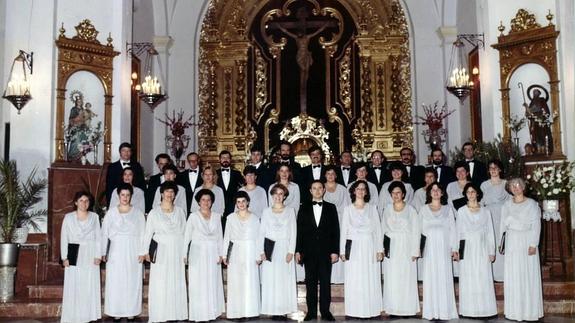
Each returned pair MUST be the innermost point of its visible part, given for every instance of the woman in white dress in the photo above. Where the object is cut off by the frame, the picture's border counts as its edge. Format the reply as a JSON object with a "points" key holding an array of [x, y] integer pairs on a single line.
{"points": [[520, 229], [420, 195], [477, 252], [122, 236], [284, 176], [441, 246], [278, 223], [401, 225], [167, 298], [241, 239], [204, 256], [361, 226], [397, 170], [258, 196], [170, 173], [361, 175], [338, 195], [455, 189], [138, 199], [81, 301], [210, 179], [494, 196]]}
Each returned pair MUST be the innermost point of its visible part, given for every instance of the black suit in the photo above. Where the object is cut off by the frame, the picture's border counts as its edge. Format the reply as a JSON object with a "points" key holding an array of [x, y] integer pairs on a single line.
{"points": [[264, 176], [447, 175], [340, 179], [114, 177], [153, 183], [295, 169], [306, 180], [479, 174], [183, 180], [315, 244], [236, 181], [416, 176], [384, 177]]}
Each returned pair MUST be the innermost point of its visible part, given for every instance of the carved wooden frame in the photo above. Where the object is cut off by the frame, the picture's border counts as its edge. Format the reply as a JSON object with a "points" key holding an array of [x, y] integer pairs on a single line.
{"points": [[528, 42], [84, 52]]}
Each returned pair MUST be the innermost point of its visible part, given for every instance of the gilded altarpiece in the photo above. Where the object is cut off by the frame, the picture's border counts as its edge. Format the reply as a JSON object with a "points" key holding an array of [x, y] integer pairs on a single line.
{"points": [[332, 73]]}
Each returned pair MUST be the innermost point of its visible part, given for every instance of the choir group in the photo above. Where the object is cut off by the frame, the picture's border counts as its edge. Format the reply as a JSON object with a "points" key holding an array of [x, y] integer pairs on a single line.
{"points": [[277, 224]]}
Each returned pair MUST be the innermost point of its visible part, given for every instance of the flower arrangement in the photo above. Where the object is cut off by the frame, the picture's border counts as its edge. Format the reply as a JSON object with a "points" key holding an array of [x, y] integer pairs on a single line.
{"points": [[516, 124], [552, 182], [433, 119], [178, 141]]}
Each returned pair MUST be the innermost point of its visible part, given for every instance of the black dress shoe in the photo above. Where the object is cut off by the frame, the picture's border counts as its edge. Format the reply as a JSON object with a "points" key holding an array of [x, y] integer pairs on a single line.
{"points": [[327, 317], [310, 316]]}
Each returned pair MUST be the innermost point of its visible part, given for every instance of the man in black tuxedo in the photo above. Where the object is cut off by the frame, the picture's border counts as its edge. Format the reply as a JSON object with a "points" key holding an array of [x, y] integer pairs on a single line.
{"points": [[313, 172], [445, 174], [477, 169], [114, 173], [230, 181], [345, 172], [191, 178], [414, 174], [264, 177], [378, 173], [317, 248], [286, 158], [155, 181]]}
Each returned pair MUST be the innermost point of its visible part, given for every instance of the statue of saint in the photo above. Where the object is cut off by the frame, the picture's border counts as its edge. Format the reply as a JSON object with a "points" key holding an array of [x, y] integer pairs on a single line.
{"points": [[538, 114]]}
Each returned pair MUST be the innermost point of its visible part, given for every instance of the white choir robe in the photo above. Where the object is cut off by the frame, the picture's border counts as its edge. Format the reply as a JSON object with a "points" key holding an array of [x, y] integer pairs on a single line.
{"points": [[243, 279], [205, 284], [418, 202], [385, 197], [258, 200], [521, 223], [454, 192], [494, 195], [123, 295], [373, 192], [476, 290], [218, 204], [138, 200], [179, 201], [363, 296], [441, 239], [340, 198], [400, 291], [279, 290], [167, 298], [81, 301]]}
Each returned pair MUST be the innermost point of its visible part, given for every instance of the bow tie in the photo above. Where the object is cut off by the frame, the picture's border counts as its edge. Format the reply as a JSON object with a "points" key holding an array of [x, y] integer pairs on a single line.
{"points": [[377, 167], [317, 203], [316, 166], [193, 170], [225, 169], [345, 168], [125, 163], [470, 162], [285, 162]]}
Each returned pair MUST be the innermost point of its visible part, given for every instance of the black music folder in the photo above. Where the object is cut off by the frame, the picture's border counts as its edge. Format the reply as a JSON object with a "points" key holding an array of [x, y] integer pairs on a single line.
{"points": [[461, 249], [502, 245], [153, 251], [73, 249], [269, 248], [422, 245], [386, 244], [229, 252], [347, 248], [108, 248]]}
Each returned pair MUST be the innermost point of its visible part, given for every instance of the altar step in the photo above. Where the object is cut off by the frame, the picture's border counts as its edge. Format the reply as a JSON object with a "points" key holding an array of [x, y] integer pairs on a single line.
{"points": [[45, 300]]}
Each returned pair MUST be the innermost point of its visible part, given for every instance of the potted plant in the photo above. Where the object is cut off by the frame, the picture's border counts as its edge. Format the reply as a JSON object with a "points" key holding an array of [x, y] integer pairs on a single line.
{"points": [[16, 202]]}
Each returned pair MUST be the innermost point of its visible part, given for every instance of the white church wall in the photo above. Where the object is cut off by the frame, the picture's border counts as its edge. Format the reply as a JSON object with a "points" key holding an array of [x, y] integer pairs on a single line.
{"points": [[4, 114]]}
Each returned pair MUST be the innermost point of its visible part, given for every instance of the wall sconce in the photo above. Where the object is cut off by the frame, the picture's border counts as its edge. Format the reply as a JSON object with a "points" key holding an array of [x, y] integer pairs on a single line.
{"points": [[151, 90], [458, 81], [18, 88]]}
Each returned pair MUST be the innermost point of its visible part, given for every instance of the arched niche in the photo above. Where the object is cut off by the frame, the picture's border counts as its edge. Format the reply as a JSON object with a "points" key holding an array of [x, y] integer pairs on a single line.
{"points": [[527, 45], [85, 63]]}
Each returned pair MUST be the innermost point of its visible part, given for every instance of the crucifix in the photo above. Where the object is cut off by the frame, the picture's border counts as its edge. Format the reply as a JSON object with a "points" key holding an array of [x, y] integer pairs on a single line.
{"points": [[304, 57]]}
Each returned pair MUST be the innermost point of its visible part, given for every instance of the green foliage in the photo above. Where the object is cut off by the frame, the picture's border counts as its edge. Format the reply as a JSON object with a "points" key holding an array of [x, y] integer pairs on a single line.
{"points": [[507, 152], [17, 200]]}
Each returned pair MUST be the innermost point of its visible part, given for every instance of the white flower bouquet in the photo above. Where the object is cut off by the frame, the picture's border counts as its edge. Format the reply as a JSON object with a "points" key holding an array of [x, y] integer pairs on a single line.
{"points": [[552, 183]]}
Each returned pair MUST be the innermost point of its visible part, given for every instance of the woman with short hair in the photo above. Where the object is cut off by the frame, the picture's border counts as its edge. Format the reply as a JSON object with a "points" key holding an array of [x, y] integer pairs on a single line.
{"points": [[210, 180], [138, 199]]}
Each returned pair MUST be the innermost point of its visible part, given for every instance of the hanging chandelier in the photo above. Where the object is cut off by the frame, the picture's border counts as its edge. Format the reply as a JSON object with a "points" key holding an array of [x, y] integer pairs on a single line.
{"points": [[17, 89], [458, 79], [151, 90]]}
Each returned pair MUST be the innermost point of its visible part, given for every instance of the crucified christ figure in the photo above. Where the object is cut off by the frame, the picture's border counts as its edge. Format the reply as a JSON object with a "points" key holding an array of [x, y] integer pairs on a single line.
{"points": [[303, 57]]}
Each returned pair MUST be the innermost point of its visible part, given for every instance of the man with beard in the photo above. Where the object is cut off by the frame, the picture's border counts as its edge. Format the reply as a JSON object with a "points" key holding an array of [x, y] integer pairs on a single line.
{"points": [[445, 174], [230, 181], [313, 172], [414, 174], [286, 158]]}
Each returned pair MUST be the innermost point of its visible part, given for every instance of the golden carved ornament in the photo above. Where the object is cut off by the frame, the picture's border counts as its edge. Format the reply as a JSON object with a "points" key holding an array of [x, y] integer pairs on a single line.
{"points": [[228, 99], [345, 82], [366, 97], [261, 83], [241, 108], [523, 21], [86, 31], [380, 94]]}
